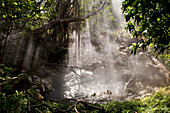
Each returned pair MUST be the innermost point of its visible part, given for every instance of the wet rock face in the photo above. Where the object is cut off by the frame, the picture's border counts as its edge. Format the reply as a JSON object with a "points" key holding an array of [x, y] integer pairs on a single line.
{"points": [[96, 42], [142, 56]]}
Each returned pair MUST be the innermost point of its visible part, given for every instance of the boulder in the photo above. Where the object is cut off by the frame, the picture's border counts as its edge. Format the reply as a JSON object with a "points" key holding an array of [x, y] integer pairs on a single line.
{"points": [[146, 95], [48, 83], [122, 47], [142, 57], [130, 98], [142, 92], [149, 89], [137, 98], [139, 85], [133, 40]]}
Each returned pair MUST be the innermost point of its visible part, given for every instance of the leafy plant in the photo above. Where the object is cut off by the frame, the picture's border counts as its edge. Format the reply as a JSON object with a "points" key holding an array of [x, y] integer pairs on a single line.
{"points": [[149, 19]]}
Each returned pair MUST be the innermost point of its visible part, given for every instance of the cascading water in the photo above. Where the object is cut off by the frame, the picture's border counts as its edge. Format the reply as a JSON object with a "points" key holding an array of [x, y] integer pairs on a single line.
{"points": [[92, 60], [99, 61]]}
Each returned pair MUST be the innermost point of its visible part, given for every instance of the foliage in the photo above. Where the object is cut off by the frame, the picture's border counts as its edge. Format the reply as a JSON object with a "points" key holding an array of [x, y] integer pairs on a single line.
{"points": [[23, 16], [17, 102], [123, 107], [13, 102], [166, 57], [19, 14], [149, 19], [157, 103]]}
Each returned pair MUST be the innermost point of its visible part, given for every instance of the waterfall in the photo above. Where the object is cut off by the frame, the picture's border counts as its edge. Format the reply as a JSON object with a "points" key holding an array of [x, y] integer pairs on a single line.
{"points": [[99, 62], [92, 59]]}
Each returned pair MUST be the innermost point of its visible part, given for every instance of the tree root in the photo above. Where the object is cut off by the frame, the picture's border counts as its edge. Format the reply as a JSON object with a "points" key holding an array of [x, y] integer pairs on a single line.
{"points": [[58, 110]]}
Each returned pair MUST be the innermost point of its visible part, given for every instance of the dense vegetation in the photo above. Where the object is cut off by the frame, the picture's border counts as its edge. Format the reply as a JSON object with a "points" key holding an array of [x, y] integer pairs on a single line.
{"points": [[149, 21]]}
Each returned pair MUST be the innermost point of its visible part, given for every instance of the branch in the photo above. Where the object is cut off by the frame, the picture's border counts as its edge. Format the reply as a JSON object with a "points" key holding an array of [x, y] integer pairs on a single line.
{"points": [[77, 101], [38, 110], [90, 105], [126, 84], [71, 69], [42, 102], [74, 106], [53, 23], [28, 103]]}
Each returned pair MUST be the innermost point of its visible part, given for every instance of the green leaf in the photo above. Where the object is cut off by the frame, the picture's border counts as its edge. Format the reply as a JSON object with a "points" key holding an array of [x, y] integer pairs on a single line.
{"points": [[4, 16], [15, 3], [158, 19], [37, 15], [152, 16], [3, 4], [134, 44]]}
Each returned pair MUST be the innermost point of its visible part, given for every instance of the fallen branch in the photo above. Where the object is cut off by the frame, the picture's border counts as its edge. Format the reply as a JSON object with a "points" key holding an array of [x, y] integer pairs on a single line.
{"points": [[74, 106], [38, 110], [42, 102], [128, 82], [78, 101], [71, 69], [28, 103], [32, 106]]}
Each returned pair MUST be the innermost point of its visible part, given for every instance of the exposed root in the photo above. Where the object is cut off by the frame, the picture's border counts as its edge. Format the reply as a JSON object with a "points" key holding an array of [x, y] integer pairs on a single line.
{"points": [[73, 107]]}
